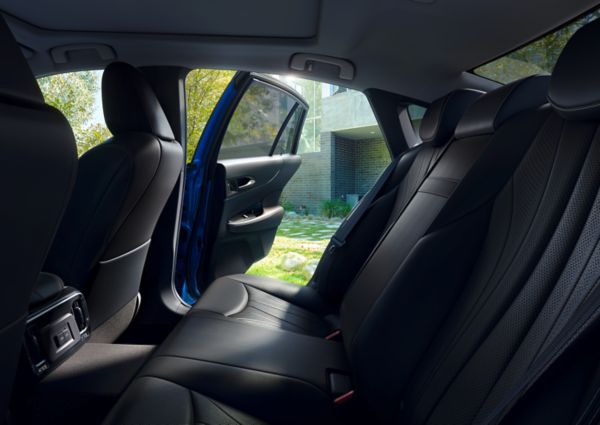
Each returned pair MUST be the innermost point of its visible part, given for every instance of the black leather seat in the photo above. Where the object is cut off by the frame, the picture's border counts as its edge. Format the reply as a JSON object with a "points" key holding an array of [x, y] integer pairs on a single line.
{"points": [[314, 309], [122, 187], [38, 165], [274, 368], [447, 326]]}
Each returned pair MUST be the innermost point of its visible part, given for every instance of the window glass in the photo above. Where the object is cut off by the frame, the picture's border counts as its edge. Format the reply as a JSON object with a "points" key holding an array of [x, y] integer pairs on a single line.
{"points": [[78, 96], [285, 144], [256, 122], [538, 57], [416, 113]]}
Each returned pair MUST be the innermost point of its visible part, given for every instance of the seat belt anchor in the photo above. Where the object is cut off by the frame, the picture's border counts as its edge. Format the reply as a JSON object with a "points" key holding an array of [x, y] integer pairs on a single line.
{"points": [[336, 243], [344, 398]]}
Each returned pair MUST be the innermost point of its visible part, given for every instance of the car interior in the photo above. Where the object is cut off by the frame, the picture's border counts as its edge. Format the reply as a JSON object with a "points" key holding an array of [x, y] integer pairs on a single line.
{"points": [[462, 288]]}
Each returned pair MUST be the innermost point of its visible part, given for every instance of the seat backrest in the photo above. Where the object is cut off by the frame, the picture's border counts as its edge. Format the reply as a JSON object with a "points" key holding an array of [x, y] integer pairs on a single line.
{"points": [[400, 298], [436, 130], [539, 263], [38, 162], [122, 187]]}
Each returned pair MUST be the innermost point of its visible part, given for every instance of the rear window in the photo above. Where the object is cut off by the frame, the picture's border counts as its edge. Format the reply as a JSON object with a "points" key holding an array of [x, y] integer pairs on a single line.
{"points": [[538, 57]]}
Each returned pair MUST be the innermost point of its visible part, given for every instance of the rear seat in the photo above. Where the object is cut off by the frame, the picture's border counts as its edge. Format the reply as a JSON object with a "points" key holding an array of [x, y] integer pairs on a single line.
{"points": [[314, 309], [462, 296], [272, 369]]}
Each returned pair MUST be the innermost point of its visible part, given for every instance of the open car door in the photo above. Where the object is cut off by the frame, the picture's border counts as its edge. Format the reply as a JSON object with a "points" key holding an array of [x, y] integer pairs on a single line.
{"points": [[245, 157]]}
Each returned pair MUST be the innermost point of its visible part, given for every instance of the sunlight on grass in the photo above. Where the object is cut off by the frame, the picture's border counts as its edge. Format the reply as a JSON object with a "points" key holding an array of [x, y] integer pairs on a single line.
{"points": [[272, 264]]}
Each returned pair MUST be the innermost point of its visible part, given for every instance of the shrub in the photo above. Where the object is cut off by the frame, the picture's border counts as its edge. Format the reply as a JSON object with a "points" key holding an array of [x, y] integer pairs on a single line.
{"points": [[288, 206], [335, 208]]}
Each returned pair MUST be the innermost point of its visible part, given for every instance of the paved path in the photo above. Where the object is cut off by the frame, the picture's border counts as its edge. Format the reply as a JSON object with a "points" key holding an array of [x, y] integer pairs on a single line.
{"points": [[308, 228]]}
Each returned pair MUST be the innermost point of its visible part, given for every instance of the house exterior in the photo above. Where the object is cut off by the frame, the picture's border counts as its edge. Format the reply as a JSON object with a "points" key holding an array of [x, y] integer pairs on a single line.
{"points": [[343, 151]]}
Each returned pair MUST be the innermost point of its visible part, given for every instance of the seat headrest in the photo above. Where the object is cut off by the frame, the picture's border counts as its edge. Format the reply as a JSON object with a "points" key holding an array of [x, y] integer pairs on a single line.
{"points": [[491, 110], [575, 85], [130, 104], [16, 79], [442, 116]]}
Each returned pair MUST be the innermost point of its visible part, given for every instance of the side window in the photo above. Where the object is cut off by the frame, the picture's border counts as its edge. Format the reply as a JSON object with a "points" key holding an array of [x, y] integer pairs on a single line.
{"points": [[537, 57], [258, 123], [416, 113], [78, 96], [285, 141], [343, 154]]}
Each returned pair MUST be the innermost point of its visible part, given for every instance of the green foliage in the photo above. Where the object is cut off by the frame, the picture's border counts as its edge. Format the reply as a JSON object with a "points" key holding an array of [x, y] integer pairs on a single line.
{"points": [[536, 58], [90, 136], [256, 119], [335, 208], [288, 206], [203, 89], [73, 94]]}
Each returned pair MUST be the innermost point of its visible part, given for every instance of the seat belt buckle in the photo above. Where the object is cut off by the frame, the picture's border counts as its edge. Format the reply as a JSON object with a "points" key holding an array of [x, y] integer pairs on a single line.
{"points": [[340, 385], [334, 335]]}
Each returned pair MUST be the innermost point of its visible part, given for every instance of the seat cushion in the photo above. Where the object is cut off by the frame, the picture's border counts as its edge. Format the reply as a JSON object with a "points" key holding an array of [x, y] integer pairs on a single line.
{"points": [[154, 401], [268, 302]]}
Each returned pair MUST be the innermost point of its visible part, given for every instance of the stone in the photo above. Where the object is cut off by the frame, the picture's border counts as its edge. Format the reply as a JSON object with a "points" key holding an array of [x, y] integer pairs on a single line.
{"points": [[292, 260], [311, 266]]}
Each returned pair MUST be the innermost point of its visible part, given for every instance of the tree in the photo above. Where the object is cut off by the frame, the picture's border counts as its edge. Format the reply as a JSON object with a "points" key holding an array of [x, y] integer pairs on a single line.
{"points": [[74, 95], [204, 88]]}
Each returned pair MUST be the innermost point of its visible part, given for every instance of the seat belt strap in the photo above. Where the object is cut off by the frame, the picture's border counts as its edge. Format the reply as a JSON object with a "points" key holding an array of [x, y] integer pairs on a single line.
{"points": [[339, 237]]}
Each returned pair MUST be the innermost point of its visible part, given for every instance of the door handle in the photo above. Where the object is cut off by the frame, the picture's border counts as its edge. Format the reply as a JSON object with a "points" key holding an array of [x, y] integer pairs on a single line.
{"points": [[247, 184], [269, 219], [240, 184]]}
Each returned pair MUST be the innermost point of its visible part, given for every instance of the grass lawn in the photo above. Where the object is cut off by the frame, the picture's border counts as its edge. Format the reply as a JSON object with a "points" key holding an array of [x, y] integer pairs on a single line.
{"points": [[305, 236], [271, 265]]}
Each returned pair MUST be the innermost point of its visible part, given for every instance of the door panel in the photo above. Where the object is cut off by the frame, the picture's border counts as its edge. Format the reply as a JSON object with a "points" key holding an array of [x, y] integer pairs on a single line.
{"points": [[244, 159], [251, 216]]}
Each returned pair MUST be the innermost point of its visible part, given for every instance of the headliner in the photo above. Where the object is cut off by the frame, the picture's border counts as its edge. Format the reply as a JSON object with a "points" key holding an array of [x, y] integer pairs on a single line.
{"points": [[418, 48]]}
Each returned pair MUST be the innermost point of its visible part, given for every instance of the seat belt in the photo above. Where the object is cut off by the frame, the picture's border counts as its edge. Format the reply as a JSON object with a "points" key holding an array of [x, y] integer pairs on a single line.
{"points": [[585, 318], [339, 237]]}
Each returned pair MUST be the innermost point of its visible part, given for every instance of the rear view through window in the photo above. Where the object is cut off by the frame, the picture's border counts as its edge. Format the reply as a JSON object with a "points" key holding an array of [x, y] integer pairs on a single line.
{"points": [[538, 57]]}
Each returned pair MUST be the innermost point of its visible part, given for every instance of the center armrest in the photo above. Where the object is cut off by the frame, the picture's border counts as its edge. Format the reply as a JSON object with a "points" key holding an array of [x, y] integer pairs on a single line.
{"points": [[249, 365], [239, 344]]}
